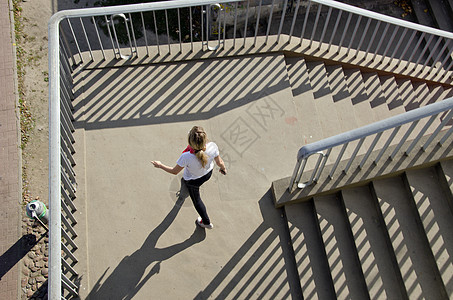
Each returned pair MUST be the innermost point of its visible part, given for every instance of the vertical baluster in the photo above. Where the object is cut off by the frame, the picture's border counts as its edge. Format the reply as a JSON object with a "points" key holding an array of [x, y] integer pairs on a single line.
{"points": [[340, 12], [447, 57], [219, 26], [65, 46], [168, 32], [144, 33], [345, 30], [442, 51], [354, 154], [307, 13], [257, 22], [294, 21], [420, 134], [323, 164], [282, 20], [365, 31], [357, 24], [438, 129], [340, 155], [395, 30], [179, 28], [191, 29], [116, 37], [246, 21], [408, 45], [301, 171], [235, 23], [97, 34], [398, 45], [224, 26], [203, 13], [315, 25], [414, 50], [432, 53], [424, 50], [404, 138], [75, 40], [387, 143], [86, 38], [371, 41], [446, 136], [325, 27], [157, 33], [295, 175], [133, 36], [386, 28], [110, 35], [449, 66], [316, 169], [370, 149], [269, 22]]}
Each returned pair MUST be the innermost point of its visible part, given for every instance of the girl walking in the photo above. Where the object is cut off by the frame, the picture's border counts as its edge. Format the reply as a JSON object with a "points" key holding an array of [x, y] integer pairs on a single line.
{"points": [[198, 162]]}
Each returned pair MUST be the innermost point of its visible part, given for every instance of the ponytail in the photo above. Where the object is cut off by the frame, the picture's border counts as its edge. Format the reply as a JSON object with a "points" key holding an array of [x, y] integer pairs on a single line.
{"points": [[202, 157], [197, 140]]}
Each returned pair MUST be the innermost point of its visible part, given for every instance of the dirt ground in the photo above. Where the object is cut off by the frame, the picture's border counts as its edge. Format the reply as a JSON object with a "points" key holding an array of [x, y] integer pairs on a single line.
{"points": [[34, 17]]}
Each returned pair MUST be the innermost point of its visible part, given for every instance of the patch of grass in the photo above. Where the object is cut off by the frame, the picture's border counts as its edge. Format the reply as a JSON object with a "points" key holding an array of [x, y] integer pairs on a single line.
{"points": [[26, 118]]}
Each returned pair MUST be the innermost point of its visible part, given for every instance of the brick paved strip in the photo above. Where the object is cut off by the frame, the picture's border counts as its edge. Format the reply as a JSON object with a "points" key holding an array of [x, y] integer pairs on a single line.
{"points": [[10, 191]]}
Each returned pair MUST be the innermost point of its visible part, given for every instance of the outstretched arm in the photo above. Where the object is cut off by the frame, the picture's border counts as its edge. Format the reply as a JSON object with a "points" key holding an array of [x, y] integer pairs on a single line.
{"points": [[175, 170], [221, 164]]}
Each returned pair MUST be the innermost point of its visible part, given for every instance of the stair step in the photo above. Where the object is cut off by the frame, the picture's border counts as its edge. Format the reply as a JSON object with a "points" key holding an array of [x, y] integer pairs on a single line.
{"points": [[447, 170], [356, 86], [339, 247], [318, 78], [376, 96], [382, 279], [337, 83], [391, 93], [359, 98], [298, 75], [412, 253], [406, 91], [422, 93], [437, 221], [311, 260], [341, 98], [304, 100], [327, 114]]}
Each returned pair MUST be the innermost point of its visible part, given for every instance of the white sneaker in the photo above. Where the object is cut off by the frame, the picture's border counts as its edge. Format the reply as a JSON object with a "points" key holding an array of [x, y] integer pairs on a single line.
{"points": [[199, 222]]}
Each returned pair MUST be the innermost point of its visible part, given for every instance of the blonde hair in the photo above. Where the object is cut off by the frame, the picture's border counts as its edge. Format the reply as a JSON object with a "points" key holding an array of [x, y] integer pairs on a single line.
{"points": [[197, 140]]}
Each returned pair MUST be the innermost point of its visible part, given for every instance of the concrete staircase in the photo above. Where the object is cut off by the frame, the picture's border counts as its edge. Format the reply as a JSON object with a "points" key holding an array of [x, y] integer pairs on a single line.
{"points": [[334, 246], [388, 239]]}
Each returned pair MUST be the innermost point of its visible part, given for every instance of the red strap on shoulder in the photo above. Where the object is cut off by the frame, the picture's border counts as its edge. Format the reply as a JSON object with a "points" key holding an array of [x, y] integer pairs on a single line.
{"points": [[189, 149]]}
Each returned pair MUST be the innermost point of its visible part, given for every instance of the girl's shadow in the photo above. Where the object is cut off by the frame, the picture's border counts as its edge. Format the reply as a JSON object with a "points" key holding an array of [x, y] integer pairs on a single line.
{"points": [[128, 277]]}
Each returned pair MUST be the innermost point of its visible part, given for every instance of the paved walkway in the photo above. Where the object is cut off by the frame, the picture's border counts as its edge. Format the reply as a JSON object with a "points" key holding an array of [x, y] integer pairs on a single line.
{"points": [[9, 163]]}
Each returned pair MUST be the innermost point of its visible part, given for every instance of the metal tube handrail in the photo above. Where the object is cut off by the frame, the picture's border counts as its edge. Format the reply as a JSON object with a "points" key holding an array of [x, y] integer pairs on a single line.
{"points": [[376, 127], [143, 7], [365, 131]]}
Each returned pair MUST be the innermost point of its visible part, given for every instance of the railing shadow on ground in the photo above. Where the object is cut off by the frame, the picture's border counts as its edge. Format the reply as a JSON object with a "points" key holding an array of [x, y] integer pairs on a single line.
{"points": [[129, 276], [16, 252], [174, 92], [264, 267]]}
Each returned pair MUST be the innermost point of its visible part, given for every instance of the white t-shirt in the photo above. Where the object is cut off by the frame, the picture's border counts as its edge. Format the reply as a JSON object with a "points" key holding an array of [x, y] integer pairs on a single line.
{"points": [[192, 166]]}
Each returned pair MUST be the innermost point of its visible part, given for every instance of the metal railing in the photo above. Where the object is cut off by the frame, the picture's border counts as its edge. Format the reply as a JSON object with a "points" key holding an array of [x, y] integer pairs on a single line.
{"points": [[80, 37], [181, 26], [382, 131]]}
